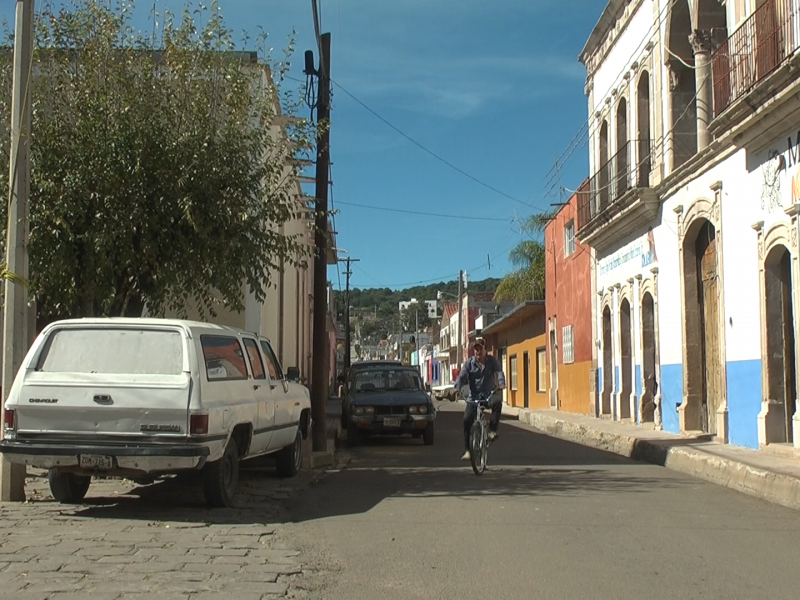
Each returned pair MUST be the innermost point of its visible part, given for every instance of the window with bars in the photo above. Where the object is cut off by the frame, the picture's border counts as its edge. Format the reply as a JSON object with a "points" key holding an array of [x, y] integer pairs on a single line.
{"points": [[541, 370], [567, 353], [513, 371], [569, 237]]}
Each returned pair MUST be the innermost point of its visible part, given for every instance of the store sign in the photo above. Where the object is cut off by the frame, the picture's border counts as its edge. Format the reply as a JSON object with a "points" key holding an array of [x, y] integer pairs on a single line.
{"points": [[643, 250]]}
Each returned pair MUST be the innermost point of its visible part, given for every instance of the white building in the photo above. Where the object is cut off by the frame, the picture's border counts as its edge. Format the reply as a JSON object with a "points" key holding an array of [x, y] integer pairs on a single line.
{"points": [[692, 213], [431, 306]]}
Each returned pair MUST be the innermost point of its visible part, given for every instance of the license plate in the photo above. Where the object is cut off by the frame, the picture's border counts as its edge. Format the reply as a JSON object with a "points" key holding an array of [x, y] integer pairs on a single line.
{"points": [[95, 461], [391, 422]]}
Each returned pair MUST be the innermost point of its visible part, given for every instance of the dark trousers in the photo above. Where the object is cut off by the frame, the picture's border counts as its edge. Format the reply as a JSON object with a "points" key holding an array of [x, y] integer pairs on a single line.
{"points": [[471, 413]]}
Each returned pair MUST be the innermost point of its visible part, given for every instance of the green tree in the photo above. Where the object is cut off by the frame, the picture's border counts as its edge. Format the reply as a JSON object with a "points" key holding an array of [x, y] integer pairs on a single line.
{"points": [[526, 281], [159, 177]]}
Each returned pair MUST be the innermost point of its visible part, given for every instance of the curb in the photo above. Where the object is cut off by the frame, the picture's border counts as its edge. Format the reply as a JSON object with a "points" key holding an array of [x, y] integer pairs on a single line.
{"points": [[773, 487]]}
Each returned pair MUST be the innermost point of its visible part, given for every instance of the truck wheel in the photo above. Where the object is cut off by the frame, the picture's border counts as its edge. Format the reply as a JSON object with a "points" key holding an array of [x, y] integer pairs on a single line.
{"points": [[289, 458], [68, 488], [221, 476], [427, 435]]}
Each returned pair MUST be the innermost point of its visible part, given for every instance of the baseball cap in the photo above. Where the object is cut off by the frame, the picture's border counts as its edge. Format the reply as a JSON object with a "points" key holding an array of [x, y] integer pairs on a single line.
{"points": [[479, 341]]}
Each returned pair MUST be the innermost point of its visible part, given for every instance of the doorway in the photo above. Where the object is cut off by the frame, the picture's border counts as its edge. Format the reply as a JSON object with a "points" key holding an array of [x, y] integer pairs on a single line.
{"points": [[553, 369], [626, 356], [649, 383], [704, 387], [608, 363], [525, 370], [781, 366], [643, 122]]}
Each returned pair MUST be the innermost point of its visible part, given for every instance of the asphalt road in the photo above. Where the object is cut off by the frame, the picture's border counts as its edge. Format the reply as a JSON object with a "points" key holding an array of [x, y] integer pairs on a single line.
{"points": [[549, 519]]}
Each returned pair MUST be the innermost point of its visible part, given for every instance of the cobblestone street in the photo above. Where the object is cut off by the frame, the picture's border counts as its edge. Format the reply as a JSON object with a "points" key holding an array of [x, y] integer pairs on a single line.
{"points": [[129, 541]]}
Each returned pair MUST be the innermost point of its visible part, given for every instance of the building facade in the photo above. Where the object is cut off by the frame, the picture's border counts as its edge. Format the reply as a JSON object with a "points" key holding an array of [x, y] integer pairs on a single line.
{"points": [[568, 300], [518, 340], [691, 214]]}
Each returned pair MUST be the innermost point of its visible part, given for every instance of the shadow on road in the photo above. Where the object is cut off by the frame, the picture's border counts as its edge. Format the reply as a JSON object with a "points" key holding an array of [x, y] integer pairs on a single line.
{"points": [[522, 462]]}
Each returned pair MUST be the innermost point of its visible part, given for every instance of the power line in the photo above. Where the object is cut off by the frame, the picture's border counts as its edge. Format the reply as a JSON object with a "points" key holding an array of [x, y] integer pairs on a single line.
{"points": [[431, 152], [425, 214]]}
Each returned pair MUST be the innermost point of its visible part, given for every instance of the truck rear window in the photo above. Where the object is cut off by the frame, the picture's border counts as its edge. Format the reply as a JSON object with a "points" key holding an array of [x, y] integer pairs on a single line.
{"points": [[113, 351]]}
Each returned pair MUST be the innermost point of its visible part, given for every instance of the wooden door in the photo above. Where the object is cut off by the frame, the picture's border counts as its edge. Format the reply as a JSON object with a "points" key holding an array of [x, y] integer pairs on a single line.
{"points": [[709, 311]]}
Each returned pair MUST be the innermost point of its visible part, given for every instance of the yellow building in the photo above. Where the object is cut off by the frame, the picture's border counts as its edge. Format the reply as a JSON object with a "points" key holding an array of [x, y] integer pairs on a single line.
{"points": [[519, 341]]}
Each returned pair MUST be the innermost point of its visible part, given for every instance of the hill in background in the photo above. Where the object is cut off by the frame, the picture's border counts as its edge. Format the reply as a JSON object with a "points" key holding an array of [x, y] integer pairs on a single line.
{"points": [[375, 310]]}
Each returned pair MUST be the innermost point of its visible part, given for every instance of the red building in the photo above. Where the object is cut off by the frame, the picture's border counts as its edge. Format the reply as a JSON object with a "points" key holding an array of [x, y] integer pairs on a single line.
{"points": [[568, 306]]}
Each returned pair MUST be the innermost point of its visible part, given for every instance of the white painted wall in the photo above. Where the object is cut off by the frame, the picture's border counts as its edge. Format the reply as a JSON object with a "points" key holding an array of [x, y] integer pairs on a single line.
{"points": [[627, 48]]}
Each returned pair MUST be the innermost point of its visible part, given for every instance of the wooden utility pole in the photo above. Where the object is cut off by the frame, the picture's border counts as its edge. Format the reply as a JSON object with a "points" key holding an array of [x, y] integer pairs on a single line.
{"points": [[321, 355], [16, 330], [458, 327], [348, 272]]}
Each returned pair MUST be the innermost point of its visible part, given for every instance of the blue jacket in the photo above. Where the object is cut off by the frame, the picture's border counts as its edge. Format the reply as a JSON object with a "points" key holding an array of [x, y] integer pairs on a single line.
{"points": [[480, 378]]}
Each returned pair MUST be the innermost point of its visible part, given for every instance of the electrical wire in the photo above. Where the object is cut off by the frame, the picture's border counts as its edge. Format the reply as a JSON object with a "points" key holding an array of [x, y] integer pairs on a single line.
{"points": [[431, 152], [425, 214]]}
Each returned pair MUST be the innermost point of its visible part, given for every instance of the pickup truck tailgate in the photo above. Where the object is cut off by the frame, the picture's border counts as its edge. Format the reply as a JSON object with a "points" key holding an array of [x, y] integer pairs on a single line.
{"points": [[107, 382], [99, 405]]}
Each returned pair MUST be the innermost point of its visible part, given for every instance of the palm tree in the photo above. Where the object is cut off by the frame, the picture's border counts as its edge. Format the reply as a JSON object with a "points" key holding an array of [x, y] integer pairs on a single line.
{"points": [[526, 281]]}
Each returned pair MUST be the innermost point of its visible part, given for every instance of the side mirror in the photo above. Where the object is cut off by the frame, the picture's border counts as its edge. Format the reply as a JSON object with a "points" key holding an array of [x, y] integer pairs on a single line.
{"points": [[293, 374]]}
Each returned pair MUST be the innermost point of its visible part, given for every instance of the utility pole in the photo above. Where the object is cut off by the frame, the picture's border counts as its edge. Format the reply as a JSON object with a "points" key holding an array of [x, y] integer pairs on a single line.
{"points": [[458, 328], [348, 260], [320, 361], [16, 332]]}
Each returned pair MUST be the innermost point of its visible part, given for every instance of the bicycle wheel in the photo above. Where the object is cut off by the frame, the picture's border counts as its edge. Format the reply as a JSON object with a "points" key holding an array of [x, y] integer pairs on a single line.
{"points": [[477, 452]]}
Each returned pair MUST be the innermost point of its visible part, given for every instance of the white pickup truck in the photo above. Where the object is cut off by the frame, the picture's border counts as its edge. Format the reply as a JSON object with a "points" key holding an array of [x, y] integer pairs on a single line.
{"points": [[141, 398]]}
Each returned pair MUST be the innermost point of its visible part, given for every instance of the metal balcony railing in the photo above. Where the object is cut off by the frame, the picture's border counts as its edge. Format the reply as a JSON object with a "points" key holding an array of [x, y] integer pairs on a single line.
{"points": [[759, 46], [628, 168]]}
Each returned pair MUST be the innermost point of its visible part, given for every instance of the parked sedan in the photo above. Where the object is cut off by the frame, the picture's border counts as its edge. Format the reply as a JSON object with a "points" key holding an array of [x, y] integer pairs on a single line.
{"points": [[388, 400]]}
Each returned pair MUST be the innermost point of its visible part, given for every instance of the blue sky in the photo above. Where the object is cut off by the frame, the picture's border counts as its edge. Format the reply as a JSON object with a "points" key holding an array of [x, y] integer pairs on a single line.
{"points": [[493, 88]]}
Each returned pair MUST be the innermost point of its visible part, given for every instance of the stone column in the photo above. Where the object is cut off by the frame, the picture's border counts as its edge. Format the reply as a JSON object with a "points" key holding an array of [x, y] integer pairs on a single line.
{"points": [[702, 45]]}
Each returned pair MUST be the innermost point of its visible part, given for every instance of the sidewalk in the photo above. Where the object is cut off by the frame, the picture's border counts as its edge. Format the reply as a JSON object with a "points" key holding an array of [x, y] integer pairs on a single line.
{"points": [[765, 474]]}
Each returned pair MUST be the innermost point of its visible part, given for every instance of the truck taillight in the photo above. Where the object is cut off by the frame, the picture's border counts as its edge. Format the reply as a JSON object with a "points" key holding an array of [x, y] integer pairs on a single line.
{"points": [[198, 424], [9, 418]]}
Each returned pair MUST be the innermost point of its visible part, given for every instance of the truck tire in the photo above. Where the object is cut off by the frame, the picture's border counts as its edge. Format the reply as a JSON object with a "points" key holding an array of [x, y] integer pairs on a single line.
{"points": [[220, 477], [290, 457], [68, 488]]}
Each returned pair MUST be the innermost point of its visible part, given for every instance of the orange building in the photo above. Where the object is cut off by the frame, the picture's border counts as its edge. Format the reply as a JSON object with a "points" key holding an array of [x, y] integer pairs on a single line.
{"points": [[518, 340], [568, 300]]}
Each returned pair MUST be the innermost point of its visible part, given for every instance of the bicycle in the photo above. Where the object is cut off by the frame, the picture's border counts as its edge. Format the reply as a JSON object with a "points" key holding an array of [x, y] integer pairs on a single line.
{"points": [[479, 432]]}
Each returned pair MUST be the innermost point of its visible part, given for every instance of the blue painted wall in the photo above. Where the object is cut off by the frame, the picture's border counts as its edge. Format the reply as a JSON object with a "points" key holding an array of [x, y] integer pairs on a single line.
{"points": [[744, 401], [671, 386]]}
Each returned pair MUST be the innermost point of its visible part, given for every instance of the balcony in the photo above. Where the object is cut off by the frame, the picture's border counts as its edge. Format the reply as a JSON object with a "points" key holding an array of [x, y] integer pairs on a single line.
{"points": [[618, 198], [752, 55]]}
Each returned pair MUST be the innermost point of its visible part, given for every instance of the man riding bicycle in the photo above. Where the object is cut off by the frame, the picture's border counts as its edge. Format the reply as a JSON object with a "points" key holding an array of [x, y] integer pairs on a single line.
{"points": [[483, 374]]}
